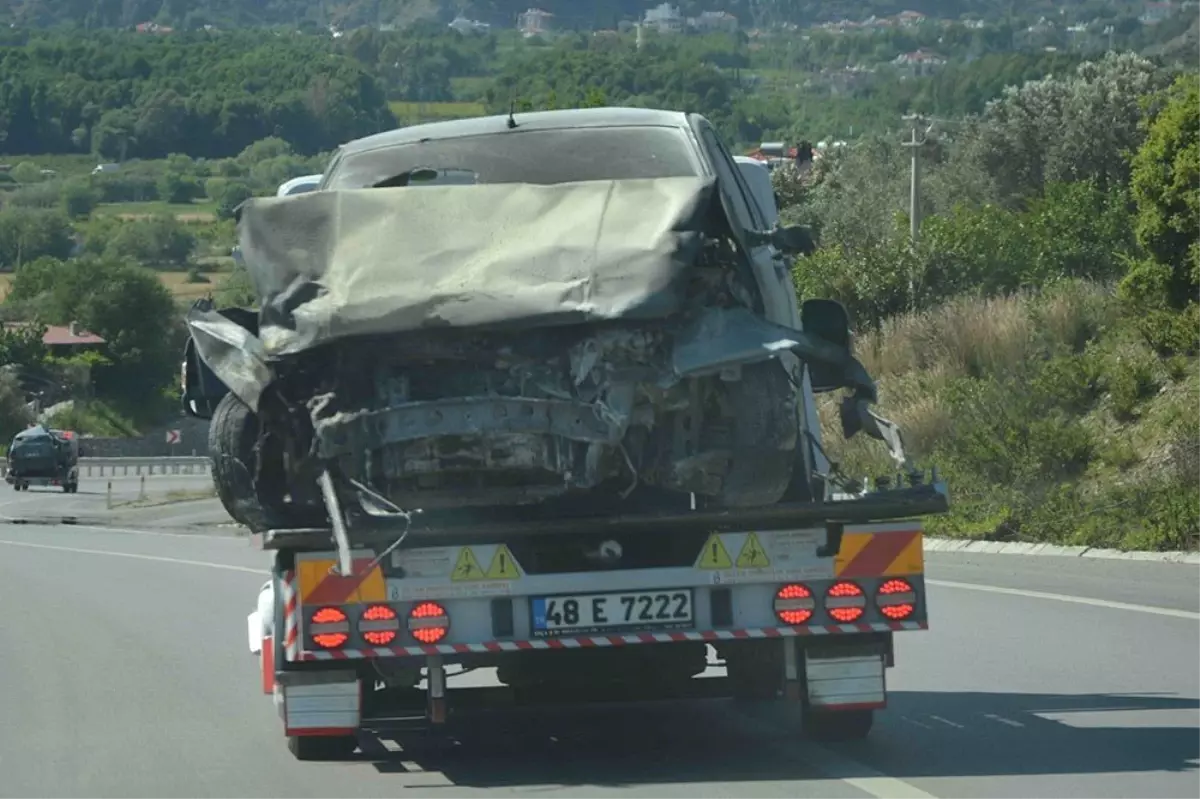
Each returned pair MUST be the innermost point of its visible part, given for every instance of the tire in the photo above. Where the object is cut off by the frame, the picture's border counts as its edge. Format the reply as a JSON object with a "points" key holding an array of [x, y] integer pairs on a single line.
{"points": [[760, 471], [322, 747], [232, 438], [834, 726]]}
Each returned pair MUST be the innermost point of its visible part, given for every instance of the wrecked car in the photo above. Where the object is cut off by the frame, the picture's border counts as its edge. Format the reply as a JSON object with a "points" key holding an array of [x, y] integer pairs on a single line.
{"points": [[580, 312]]}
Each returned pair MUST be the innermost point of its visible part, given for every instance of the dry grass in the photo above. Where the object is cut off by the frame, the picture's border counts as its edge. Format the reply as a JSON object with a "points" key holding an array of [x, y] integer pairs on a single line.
{"points": [[914, 355]]}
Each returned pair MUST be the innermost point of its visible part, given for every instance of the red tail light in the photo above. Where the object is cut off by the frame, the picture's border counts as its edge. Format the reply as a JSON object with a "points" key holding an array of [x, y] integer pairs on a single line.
{"points": [[794, 604], [329, 628], [379, 625], [896, 599], [845, 602], [428, 622]]}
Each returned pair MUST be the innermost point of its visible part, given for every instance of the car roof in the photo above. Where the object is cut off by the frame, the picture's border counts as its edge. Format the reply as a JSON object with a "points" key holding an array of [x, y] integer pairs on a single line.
{"points": [[533, 120]]}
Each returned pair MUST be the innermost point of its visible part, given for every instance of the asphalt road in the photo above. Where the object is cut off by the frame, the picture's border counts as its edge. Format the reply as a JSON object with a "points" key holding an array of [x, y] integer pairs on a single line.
{"points": [[124, 673]]}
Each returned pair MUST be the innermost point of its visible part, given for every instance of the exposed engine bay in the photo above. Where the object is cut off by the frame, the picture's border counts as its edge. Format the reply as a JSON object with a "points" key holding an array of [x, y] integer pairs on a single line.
{"points": [[580, 339]]}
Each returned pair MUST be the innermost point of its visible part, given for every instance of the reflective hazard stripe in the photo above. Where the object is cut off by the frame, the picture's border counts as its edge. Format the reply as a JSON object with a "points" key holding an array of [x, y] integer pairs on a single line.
{"points": [[291, 613], [880, 554]]}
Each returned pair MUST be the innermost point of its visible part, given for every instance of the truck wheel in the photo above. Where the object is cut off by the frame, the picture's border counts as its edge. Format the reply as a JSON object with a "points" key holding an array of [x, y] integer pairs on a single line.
{"points": [[765, 437], [837, 725], [322, 747], [232, 437]]}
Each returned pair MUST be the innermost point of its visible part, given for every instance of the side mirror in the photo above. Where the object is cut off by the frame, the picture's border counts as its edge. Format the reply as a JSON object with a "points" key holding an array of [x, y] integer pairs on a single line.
{"points": [[793, 240], [829, 321]]}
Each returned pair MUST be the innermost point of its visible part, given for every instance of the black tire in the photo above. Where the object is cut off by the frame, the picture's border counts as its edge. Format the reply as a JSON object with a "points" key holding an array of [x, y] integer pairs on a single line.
{"points": [[766, 433], [232, 437], [322, 747], [833, 726]]}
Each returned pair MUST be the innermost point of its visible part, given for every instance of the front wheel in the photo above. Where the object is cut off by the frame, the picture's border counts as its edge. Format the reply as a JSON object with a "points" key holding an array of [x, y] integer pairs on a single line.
{"points": [[232, 438]]}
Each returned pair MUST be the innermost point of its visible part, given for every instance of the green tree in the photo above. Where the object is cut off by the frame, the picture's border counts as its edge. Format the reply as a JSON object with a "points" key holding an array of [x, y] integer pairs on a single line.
{"points": [[27, 234], [1166, 190], [79, 199], [160, 240], [117, 300], [233, 194], [27, 172]]}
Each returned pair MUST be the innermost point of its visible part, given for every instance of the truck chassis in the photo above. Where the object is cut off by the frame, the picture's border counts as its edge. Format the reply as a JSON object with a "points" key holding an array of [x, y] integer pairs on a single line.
{"points": [[800, 614]]}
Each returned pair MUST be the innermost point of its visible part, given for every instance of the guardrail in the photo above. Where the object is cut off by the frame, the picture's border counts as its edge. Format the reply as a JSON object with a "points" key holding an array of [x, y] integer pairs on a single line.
{"points": [[133, 467]]}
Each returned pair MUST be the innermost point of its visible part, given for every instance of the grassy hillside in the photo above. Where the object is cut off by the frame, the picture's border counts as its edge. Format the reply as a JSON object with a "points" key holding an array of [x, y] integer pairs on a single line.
{"points": [[1049, 415]]}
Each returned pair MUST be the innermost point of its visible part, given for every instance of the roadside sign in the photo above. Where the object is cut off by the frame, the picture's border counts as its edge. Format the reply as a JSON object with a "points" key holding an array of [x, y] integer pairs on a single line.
{"points": [[173, 436]]}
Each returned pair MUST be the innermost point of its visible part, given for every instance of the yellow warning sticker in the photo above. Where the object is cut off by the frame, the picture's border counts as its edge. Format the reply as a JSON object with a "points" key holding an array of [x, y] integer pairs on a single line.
{"points": [[714, 555], [752, 556], [503, 566], [466, 567]]}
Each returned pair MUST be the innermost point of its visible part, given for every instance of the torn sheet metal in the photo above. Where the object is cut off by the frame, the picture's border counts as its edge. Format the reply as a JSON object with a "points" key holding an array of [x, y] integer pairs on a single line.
{"points": [[233, 353], [330, 265], [723, 337]]}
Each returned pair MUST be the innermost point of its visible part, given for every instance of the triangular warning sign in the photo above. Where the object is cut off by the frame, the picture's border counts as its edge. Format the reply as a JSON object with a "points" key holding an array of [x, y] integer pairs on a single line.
{"points": [[714, 555], [503, 566], [466, 567], [752, 556]]}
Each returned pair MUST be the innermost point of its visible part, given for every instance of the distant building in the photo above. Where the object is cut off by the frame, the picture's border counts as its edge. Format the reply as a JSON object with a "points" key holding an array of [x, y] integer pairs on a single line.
{"points": [[153, 27], [909, 18], [1154, 13], [465, 26], [665, 18], [535, 22], [919, 62], [710, 21], [65, 340]]}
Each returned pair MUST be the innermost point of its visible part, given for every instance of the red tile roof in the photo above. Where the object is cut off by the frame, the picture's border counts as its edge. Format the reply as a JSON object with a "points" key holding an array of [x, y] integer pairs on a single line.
{"points": [[62, 335]]}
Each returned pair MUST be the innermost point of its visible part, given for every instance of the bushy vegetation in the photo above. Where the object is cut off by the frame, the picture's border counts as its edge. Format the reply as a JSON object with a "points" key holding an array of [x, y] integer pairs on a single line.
{"points": [[1039, 345]]}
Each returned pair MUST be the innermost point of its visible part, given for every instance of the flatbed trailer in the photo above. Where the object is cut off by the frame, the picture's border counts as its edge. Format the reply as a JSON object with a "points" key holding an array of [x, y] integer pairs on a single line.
{"points": [[803, 614]]}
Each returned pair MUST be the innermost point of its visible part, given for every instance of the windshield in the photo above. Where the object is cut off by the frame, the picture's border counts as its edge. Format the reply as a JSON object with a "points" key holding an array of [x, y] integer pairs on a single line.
{"points": [[563, 155]]}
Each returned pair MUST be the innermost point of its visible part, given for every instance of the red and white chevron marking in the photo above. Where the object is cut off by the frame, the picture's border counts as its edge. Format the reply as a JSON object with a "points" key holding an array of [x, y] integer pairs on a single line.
{"points": [[611, 640], [291, 616]]}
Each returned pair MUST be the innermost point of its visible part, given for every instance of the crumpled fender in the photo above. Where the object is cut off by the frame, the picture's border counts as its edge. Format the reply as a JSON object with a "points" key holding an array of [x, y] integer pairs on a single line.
{"points": [[720, 338], [234, 354]]}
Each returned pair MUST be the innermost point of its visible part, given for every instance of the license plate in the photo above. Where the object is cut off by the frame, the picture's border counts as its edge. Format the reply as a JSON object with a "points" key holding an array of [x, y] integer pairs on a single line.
{"points": [[611, 612]]}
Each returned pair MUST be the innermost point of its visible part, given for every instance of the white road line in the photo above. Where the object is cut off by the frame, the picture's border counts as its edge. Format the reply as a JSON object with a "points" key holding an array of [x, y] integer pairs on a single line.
{"points": [[133, 556], [1078, 600], [859, 775], [948, 722], [1003, 720]]}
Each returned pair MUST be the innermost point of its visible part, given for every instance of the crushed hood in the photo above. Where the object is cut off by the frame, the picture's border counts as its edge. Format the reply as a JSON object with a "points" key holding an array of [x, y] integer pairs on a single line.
{"points": [[334, 264]]}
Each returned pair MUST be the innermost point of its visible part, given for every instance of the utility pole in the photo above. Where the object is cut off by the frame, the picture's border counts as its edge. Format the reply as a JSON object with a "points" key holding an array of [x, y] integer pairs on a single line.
{"points": [[917, 140]]}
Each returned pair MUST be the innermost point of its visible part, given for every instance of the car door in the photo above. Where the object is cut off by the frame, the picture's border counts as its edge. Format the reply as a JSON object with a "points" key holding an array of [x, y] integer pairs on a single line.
{"points": [[770, 267]]}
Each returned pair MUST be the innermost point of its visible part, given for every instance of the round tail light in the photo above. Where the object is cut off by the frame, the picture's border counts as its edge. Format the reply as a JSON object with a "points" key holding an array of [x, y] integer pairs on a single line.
{"points": [[845, 602], [329, 628], [428, 622], [896, 599], [379, 625], [794, 604]]}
